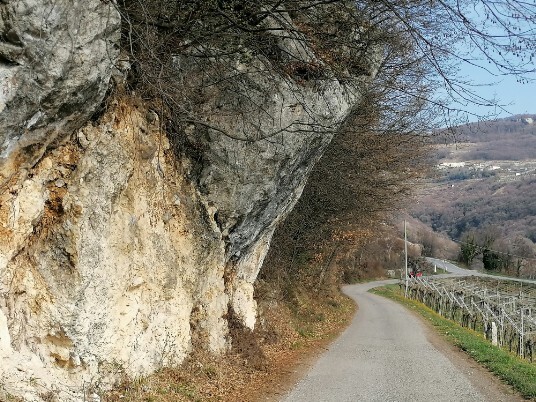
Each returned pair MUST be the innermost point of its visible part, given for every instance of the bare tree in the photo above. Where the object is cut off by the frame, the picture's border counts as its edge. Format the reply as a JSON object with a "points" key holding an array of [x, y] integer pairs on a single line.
{"points": [[402, 56], [203, 40]]}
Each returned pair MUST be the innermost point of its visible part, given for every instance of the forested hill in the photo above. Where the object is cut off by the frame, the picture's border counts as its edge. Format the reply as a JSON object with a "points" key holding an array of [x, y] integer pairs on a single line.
{"points": [[512, 138], [471, 205], [485, 185]]}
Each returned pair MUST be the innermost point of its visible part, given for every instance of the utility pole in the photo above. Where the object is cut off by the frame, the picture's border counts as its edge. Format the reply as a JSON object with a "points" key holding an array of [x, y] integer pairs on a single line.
{"points": [[406, 257]]}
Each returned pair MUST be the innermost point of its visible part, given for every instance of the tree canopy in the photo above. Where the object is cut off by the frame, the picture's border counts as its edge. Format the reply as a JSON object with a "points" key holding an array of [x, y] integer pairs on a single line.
{"points": [[332, 39], [403, 57]]}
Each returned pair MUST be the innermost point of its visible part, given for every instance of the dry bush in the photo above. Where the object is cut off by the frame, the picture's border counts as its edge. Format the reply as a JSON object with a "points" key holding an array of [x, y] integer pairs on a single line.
{"points": [[365, 173], [184, 55]]}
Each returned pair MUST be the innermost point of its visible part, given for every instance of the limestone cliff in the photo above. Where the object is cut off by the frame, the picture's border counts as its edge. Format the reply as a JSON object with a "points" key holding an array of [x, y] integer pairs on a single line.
{"points": [[114, 256]]}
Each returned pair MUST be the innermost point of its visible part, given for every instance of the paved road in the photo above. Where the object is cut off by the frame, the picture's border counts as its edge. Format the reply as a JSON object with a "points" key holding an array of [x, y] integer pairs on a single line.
{"points": [[385, 355], [454, 269]]}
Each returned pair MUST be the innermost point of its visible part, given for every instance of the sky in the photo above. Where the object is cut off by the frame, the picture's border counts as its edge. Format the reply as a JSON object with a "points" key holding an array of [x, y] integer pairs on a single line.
{"points": [[519, 98], [493, 23]]}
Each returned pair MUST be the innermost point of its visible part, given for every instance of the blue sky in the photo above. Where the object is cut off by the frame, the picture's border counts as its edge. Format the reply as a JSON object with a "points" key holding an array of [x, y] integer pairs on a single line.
{"points": [[518, 97], [493, 24]]}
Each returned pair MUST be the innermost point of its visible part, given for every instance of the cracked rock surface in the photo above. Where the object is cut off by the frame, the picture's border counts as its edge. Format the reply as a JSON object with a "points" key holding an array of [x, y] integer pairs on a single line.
{"points": [[114, 257], [56, 58]]}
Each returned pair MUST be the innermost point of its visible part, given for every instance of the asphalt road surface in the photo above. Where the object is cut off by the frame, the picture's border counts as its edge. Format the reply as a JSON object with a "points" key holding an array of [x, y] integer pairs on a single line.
{"points": [[389, 354], [455, 270]]}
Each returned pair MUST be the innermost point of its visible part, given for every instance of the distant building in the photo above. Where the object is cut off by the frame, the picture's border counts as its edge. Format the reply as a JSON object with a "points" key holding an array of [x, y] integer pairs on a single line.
{"points": [[445, 165]]}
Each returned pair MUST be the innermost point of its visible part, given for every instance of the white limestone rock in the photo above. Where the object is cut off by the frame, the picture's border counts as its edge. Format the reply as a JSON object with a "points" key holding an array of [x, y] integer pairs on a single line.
{"points": [[114, 256], [100, 284], [56, 62]]}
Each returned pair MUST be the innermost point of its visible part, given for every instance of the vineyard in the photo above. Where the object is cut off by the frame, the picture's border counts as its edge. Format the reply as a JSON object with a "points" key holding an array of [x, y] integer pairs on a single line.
{"points": [[505, 311]]}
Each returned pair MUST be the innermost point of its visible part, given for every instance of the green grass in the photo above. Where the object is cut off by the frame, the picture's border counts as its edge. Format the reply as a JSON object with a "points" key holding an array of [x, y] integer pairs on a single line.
{"points": [[515, 371], [440, 271]]}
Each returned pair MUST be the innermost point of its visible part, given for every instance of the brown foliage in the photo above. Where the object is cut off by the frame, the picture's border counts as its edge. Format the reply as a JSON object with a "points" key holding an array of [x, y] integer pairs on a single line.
{"points": [[363, 174], [185, 53], [285, 338]]}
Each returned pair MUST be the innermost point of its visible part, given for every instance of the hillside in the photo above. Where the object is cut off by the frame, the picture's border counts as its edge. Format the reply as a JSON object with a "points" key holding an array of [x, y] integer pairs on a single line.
{"points": [[508, 139], [484, 184]]}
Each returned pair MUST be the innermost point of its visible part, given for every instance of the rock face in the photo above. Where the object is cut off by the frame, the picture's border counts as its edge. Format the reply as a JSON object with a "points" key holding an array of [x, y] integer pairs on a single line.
{"points": [[55, 61], [112, 258], [117, 264], [250, 186]]}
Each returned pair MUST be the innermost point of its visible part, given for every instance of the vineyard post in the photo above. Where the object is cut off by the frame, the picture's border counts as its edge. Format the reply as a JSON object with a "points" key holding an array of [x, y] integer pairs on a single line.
{"points": [[502, 327], [494, 341], [522, 335], [406, 257]]}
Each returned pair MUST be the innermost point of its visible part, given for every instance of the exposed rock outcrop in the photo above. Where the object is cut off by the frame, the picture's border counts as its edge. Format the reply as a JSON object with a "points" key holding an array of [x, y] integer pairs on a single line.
{"points": [[56, 58], [250, 185], [116, 264], [114, 255], [261, 132]]}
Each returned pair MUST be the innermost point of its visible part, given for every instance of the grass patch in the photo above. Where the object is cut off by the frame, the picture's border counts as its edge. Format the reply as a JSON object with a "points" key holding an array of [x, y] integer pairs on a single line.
{"points": [[315, 316], [515, 371], [354, 280], [440, 271]]}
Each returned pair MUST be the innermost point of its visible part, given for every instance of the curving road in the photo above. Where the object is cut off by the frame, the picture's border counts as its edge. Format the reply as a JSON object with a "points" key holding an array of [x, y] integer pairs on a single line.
{"points": [[454, 269], [389, 354]]}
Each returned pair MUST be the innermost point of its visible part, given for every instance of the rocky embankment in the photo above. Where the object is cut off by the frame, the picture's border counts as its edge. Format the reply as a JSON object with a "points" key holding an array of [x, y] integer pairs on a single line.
{"points": [[114, 256]]}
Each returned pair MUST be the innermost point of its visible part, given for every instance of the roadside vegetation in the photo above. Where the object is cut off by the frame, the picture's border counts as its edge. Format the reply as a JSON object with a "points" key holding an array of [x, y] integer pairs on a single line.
{"points": [[518, 373]]}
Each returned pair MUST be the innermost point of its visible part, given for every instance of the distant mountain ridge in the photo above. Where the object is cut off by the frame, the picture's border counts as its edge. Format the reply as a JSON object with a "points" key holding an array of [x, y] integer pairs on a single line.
{"points": [[508, 139], [485, 182], [497, 129]]}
